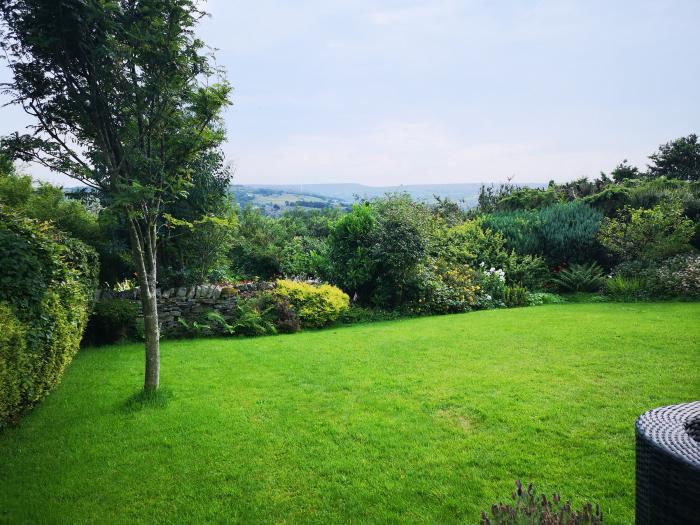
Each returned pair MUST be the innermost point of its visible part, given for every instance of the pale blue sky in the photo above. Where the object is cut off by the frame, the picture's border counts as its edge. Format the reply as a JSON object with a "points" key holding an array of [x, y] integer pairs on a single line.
{"points": [[392, 92]]}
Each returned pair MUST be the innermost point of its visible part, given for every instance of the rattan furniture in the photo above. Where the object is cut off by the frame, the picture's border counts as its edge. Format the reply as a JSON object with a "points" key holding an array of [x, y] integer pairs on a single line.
{"points": [[668, 466]]}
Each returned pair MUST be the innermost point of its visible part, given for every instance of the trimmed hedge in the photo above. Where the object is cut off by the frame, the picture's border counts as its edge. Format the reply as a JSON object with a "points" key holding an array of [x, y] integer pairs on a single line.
{"points": [[46, 288]]}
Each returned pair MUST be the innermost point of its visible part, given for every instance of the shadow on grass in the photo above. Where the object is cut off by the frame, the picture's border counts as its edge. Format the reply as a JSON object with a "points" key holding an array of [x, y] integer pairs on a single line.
{"points": [[148, 399]]}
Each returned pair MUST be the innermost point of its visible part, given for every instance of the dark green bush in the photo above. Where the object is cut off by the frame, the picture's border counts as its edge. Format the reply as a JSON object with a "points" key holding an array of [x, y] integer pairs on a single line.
{"points": [[286, 319], [514, 296], [360, 314], [46, 289], [532, 509], [562, 233], [568, 233], [112, 321]]}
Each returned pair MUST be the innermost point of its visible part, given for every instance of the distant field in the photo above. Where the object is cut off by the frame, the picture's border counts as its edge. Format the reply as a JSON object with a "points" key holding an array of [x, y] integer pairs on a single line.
{"points": [[426, 420], [283, 198]]}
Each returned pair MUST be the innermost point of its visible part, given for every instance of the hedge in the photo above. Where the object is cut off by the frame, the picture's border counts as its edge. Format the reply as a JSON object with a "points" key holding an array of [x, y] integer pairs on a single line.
{"points": [[46, 289]]}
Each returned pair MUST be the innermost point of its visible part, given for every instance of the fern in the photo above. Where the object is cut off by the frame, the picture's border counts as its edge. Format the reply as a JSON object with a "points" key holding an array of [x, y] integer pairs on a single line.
{"points": [[580, 278]]}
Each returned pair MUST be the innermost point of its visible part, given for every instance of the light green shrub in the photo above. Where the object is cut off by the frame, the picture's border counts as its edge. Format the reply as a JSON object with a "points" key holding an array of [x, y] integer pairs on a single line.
{"points": [[540, 298], [316, 305], [623, 288], [14, 362], [648, 235], [46, 289]]}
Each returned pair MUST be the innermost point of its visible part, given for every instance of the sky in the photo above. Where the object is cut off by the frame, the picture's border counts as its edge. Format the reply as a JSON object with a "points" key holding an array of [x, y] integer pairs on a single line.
{"points": [[424, 92]]}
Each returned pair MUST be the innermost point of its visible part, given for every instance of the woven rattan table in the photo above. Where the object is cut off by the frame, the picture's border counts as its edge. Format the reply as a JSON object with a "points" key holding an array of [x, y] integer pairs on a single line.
{"points": [[668, 465]]}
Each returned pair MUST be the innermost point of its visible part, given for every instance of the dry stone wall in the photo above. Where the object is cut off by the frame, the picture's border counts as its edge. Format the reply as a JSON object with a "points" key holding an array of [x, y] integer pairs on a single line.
{"points": [[189, 302]]}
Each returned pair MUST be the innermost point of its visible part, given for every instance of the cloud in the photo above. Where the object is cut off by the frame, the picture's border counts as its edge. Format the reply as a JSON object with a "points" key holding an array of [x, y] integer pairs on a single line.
{"points": [[410, 153]]}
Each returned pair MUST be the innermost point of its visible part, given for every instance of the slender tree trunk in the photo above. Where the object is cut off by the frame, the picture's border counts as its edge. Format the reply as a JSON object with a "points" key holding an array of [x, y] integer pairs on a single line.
{"points": [[152, 333], [144, 253]]}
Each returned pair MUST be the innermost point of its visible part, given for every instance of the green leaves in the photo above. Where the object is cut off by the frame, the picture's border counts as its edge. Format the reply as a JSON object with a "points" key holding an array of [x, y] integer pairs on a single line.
{"points": [[650, 235]]}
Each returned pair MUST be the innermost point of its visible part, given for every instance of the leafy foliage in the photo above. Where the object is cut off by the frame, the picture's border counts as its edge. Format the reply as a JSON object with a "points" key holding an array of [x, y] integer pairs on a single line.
{"points": [[678, 159], [316, 306], [446, 287], [112, 321], [652, 234], [46, 288], [680, 275], [540, 298], [621, 288], [515, 296], [580, 278]]}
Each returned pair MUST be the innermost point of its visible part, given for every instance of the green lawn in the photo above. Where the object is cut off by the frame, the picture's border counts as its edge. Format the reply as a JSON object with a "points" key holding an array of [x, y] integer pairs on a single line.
{"points": [[425, 420]]}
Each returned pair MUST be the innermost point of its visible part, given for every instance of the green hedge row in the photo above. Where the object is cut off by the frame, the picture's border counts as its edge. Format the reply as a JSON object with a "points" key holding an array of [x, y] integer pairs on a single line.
{"points": [[46, 287]]}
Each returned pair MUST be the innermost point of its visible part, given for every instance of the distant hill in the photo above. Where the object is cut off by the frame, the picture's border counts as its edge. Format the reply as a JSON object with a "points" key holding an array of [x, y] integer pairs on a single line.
{"points": [[347, 193]]}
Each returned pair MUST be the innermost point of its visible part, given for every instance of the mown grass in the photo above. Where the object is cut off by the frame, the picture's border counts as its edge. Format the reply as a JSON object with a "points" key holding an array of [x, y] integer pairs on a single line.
{"points": [[424, 420]]}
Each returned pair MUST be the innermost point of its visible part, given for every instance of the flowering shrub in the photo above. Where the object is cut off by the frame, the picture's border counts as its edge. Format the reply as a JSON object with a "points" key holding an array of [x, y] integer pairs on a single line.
{"points": [[528, 508], [492, 282], [680, 275], [446, 287]]}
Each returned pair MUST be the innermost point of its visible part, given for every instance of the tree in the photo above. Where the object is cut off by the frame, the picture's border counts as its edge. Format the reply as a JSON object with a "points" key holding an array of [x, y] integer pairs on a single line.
{"points": [[350, 242], [624, 171], [648, 235], [678, 159], [120, 94]]}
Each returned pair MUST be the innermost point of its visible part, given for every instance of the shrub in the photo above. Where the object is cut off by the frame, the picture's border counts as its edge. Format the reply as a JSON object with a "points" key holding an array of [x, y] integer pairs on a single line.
{"points": [[680, 275], [401, 246], [492, 287], [279, 311], [580, 278], [623, 288], [649, 235], [562, 233], [471, 243], [527, 507], [529, 271], [519, 229], [252, 317], [514, 296], [316, 305], [111, 321], [46, 287], [540, 298], [568, 232], [14, 362], [360, 314], [349, 250], [445, 287]]}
